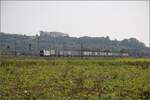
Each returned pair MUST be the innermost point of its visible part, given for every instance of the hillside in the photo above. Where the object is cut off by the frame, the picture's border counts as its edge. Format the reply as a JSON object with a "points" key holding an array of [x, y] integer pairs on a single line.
{"points": [[33, 44]]}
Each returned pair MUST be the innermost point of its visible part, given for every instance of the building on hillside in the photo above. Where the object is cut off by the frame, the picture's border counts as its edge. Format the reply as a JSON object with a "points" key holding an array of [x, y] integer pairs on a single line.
{"points": [[53, 34]]}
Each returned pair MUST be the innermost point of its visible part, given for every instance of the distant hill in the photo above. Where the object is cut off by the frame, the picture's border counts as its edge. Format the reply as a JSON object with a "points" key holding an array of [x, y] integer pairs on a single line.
{"points": [[14, 43]]}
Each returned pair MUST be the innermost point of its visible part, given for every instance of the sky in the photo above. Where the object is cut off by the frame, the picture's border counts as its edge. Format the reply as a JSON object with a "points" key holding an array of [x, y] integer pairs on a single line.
{"points": [[116, 19]]}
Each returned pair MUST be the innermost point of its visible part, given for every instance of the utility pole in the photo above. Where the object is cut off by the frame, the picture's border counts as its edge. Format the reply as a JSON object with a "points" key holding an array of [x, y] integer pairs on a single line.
{"points": [[30, 48], [81, 52], [54, 41], [1, 48], [63, 49], [37, 44], [15, 46]]}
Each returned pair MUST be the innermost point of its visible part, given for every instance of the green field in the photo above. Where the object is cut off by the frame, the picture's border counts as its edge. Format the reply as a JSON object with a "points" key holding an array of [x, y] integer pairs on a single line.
{"points": [[25, 78]]}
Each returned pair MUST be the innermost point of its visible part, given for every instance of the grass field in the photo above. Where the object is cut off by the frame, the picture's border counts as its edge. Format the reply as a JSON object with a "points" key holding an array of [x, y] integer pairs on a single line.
{"points": [[25, 78]]}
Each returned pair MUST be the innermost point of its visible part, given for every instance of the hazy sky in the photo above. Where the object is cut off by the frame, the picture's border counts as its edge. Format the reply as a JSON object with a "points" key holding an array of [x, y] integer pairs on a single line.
{"points": [[116, 19]]}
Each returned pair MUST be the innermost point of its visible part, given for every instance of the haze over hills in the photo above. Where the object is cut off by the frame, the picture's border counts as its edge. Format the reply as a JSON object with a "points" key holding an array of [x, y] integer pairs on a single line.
{"points": [[57, 40]]}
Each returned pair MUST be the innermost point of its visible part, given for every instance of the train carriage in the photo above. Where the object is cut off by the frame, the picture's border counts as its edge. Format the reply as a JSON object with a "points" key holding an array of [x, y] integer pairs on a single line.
{"points": [[79, 53]]}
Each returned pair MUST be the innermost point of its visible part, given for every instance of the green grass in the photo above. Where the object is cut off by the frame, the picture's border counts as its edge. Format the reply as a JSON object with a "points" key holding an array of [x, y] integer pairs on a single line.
{"points": [[26, 78]]}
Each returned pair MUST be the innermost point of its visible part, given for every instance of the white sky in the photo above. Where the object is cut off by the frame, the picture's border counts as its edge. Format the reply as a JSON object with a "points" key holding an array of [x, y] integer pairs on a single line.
{"points": [[116, 19]]}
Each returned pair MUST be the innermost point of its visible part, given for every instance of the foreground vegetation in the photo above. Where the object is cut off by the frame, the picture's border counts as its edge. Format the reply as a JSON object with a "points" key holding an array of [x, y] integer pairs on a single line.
{"points": [[74, 79]]}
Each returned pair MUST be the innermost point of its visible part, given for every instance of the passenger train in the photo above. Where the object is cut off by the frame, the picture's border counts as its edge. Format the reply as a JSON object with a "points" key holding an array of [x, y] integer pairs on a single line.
{"points": [[76, 53]]}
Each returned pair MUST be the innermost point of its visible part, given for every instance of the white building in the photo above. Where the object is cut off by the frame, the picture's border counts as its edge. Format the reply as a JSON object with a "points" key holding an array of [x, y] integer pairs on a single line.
{"points": [[52, 34]]}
